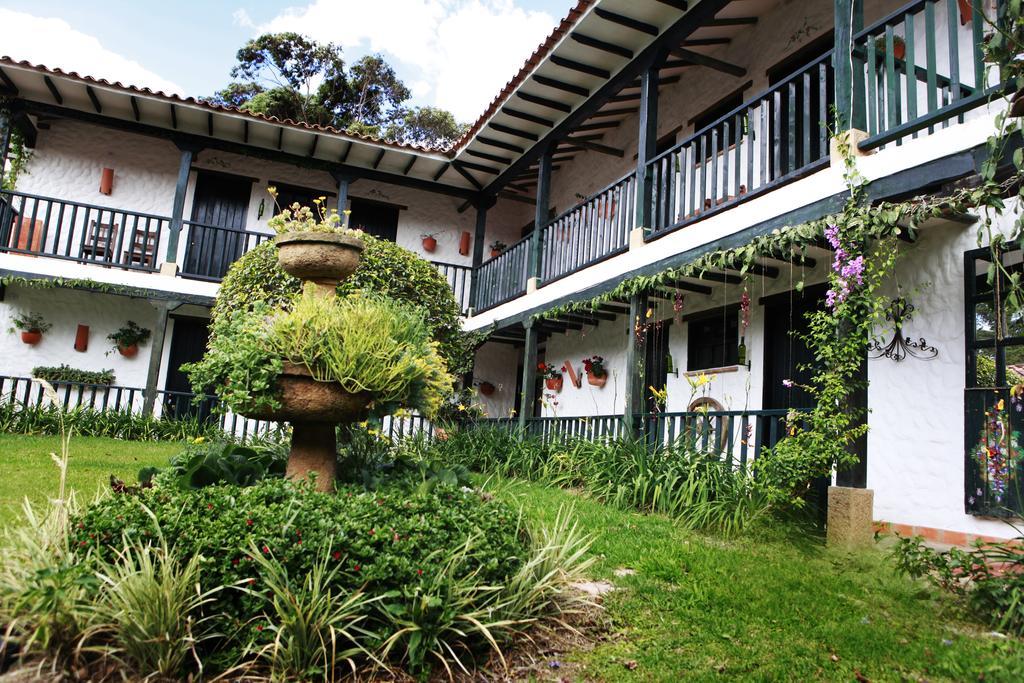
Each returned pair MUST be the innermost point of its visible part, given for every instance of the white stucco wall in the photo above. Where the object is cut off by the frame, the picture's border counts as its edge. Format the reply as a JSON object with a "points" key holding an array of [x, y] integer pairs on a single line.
{"points": [[608, 340], [497, 364], [67, 309], [916, 439]]}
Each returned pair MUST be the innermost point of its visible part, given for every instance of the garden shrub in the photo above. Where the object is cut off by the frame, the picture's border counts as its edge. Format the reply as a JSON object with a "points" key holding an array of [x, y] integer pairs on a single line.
{"points": [[988, 579], [391, 539], [66, 373], [385, 269], [208, 463]]}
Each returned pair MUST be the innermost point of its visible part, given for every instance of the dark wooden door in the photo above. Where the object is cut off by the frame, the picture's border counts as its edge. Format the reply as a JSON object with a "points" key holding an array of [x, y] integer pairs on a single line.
{"points": [[655, 363], [188, 345], [379, 220], [220, 206]]}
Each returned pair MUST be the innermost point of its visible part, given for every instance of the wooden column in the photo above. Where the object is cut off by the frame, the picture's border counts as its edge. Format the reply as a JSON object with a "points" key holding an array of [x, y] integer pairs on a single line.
{"points": [[647, 144], [850, 105], [188, 153], [343, 182], [479, 236], [163, 310], [5, 139], [529, 391], [540, 218], [635, 357]]}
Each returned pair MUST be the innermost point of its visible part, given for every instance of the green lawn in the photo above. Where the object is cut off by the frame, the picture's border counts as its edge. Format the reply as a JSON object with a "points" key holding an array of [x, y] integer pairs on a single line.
{"points": [[26, 468], [696, 608]]}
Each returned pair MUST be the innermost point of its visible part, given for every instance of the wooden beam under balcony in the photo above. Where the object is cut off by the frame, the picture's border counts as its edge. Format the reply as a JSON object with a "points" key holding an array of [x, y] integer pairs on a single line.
{"points": [[380, 157], [691, 57], [598, 147]]}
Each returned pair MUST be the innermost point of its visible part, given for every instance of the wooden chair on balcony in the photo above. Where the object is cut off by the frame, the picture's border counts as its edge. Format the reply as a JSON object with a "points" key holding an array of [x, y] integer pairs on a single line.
{"points": [[100, 241], [142, 251], [26, 234]]}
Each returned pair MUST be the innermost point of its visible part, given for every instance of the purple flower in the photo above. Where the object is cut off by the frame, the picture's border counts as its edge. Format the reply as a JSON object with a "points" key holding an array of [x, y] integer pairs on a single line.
{"points": [[788, 383]]}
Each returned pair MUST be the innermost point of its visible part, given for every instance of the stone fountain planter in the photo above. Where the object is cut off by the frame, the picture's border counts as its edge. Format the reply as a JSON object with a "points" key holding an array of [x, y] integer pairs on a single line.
{"points": [[314, 408], [322, 257]]}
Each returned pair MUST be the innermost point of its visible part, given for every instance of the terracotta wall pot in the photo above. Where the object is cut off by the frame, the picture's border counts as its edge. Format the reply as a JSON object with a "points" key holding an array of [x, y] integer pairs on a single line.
{"points": [[464, 241], [595, 380], [128, 351], [554, 384], [429, 244], [495, 253], [319, 256], [31, 337], [486, 388]]}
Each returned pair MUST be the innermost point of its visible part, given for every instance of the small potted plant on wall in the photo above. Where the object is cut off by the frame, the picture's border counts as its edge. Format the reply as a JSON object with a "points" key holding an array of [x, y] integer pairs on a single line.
{"points": [[486, 388], [127, 339], [31, 326], [429, 242], [899, 48], [497, 247], [552, 376], [597, 375]]}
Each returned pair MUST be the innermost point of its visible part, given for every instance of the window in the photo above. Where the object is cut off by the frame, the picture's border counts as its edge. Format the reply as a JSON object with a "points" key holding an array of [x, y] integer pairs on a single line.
{"points": [[304, 196], [712, 341], [994, 471]]}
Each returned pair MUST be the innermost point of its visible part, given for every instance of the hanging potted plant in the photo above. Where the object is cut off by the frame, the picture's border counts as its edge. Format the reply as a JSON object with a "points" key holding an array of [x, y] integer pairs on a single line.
{"points": [[899, 48], [597, 375], [32, 326], [429, 242], [127, 339], [497, 247], [552, 377]]}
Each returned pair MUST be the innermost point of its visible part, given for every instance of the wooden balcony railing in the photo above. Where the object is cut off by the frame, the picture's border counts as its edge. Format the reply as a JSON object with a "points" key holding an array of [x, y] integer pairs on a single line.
{"points": [[210, 250], [459, 278], [594, 229], [772, 138], [502, 278], [920, 67], [56, 228]]}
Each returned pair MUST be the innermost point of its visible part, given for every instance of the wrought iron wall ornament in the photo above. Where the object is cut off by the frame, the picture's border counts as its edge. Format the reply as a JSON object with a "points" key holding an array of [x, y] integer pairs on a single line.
{"points": [[898, 312]]}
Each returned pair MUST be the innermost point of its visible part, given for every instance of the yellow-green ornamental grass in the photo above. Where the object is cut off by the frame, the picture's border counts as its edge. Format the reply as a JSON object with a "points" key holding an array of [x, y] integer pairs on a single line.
{"points": [[365, 343]]}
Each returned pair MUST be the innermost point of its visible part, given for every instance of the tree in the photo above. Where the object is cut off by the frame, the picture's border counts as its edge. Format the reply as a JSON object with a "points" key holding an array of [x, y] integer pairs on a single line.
{"points": [[429, 126], [290, 76]]}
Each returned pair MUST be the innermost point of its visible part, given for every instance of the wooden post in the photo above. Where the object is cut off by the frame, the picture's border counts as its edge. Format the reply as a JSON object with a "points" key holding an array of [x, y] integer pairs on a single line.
{"points": [[635, 356], [647, 144], [188, 153], [529, 390], [5, 139], [163, 310], [540, 218], [479, 236], [850, 105], [343, 182]]}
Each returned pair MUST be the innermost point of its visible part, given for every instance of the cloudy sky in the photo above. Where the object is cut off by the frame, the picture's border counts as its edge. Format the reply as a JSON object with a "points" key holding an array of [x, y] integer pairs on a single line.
{"points": [[456, 54]]}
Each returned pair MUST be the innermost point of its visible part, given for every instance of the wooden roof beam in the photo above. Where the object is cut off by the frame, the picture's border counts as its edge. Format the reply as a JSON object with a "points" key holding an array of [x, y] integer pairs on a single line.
{"points": [[459, 168], [489, 157], [603, 45], [543, 101], [628, 22], [580, 66], [52, 87], [509, 130], [527, 116], [561, 85]]}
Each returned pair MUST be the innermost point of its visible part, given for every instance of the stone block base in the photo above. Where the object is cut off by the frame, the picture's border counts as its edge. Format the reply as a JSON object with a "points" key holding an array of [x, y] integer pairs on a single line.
{"points": [[855, 137], [532, 285], [169, 269], [850, 522]]}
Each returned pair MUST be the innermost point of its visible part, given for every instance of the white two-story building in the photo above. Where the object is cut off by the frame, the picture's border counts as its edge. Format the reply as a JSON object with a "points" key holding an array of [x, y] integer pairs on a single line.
{"points": [[640, 135]]}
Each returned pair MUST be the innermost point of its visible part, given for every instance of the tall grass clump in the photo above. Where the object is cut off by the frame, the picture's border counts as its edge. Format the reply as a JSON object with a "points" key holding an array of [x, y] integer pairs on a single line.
{"points": [[704, 489]]}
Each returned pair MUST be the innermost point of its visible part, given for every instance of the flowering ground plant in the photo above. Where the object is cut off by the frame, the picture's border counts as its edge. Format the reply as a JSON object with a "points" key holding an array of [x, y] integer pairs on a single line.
{"points": [[594, 366], [998, 454]]}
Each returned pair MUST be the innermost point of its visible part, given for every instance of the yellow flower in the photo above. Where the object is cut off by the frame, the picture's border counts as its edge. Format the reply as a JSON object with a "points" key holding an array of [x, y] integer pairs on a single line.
{"points": [[198, 439], [999, 406], [462, 408]]}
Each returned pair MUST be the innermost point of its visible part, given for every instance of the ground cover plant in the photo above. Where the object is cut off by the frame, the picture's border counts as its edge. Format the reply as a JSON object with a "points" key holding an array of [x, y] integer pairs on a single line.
{"points": [[699, 607]]}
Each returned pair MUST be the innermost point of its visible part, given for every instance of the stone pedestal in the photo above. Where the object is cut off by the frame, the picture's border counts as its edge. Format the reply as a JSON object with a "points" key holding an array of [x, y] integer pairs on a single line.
{"points": [[853, 137], [636, 238], [850, 522], [532, 285]]}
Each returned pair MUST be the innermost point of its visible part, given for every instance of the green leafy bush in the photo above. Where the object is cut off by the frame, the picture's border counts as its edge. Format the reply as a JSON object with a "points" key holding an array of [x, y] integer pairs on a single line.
{"points": [[129, 335], [988, 579], [66, 373], [371, 345], [208, 463], [381, 541], [385, 269]]}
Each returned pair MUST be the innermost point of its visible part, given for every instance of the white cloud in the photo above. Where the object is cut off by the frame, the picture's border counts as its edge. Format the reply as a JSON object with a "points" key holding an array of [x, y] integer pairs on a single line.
{"points": [[241, 18], [53, 42], [463, 50]]}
